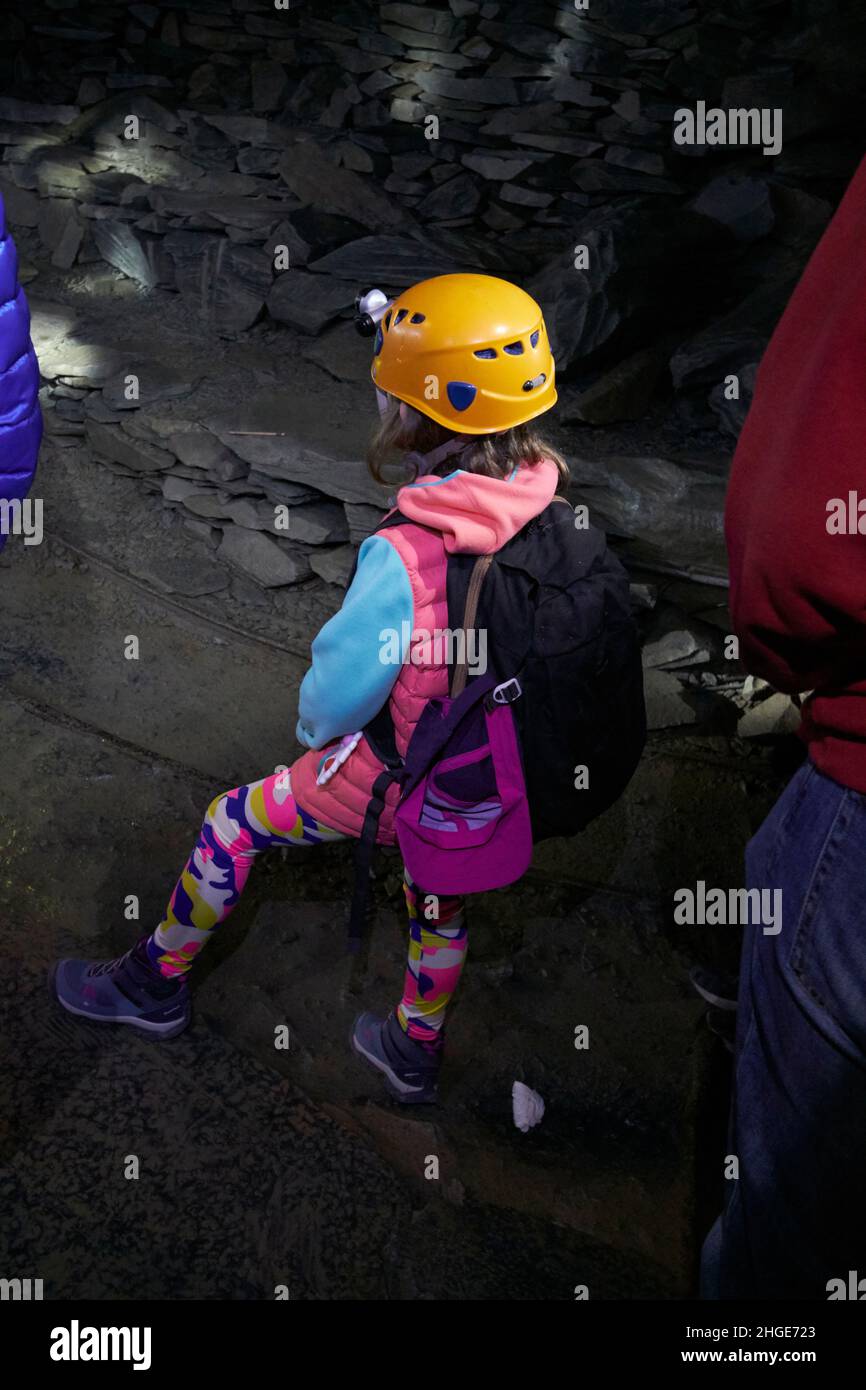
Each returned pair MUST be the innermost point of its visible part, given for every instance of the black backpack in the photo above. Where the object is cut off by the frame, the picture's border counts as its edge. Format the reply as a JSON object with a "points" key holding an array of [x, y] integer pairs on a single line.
{"points": [[555, 608]]}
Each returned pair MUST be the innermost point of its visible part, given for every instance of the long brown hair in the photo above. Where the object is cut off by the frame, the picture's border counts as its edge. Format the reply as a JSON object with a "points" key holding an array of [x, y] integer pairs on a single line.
{"points": [[494, 455]]}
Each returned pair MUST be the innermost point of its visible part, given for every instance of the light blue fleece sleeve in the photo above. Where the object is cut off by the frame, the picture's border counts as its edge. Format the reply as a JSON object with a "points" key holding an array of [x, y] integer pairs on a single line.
{"points": [[357, 654]]}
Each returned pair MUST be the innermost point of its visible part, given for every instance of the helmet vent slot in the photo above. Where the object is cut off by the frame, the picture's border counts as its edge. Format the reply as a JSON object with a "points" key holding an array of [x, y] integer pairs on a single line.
{"points": [[534, 337], [377, 346], [515, 349], [401, 314], [485, 352], [418, 318], [387, 320]]}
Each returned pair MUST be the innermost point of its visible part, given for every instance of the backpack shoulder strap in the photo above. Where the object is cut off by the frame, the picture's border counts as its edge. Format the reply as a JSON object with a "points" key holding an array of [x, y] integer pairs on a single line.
{"points": [[470, 611]]}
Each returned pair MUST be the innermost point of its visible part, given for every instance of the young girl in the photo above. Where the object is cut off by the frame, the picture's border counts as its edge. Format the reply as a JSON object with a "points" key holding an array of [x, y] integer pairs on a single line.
{"points": [[461, 364]]}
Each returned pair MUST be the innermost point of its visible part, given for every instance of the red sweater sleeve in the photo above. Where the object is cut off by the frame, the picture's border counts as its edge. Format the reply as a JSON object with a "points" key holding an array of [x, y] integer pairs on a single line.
{"points": [[798, 592]]}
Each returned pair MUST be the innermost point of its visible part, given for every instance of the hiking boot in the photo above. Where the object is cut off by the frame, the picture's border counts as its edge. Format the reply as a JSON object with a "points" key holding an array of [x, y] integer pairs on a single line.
{"points": [[717, 987], [126, 990], [410, 1070]]}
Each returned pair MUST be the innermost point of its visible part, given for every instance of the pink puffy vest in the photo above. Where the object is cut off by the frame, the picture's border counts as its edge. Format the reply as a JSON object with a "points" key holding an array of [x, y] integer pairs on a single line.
{"points": [[342, 802]]}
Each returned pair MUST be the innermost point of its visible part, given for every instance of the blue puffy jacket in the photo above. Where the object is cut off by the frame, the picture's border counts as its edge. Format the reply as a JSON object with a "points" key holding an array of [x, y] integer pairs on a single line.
{"points": [[20, 415]]}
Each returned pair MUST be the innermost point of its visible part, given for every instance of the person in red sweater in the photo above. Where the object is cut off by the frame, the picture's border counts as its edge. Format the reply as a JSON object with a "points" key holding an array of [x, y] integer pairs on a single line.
{"points": [[794, 1223]]}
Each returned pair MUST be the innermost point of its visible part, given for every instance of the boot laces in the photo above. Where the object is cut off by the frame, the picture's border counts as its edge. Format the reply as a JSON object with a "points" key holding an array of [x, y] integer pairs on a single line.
{"points": [[107, 966]]}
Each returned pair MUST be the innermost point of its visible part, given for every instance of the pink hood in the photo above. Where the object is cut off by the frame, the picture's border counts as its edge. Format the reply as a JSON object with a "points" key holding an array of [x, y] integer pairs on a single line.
{"points": [[475, 514]]}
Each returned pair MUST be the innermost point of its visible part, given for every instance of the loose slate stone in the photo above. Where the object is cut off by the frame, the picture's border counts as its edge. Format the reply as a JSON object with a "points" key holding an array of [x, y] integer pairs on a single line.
{"points": [[270, 86], [260, 557], [239, 211], [224, 284], [250, 130], [353, 156], [300, 462], [342, 353], [309, 302], [253, 161], [116, 445], [257, 515], [524, 38], [335, 565], [455, 62], [410, 166], [491, 166], [285, 239], [315, 180], [410, 190], [176, 489], [459, 197], [527, 118], [22, 207], [484, 91], [203, 531], [155, 382], [362, 520], [63, 175], [501, 220], [218, 41], [408, 112], [198, 448], [776, 715], [393, 260], [84, 364], [215, 506], [674, 511], [576, 91], [666, 706], [525, 197], [445, 42], [61, 230], [419, 17], [276, 490], [644, 161], [96, 409], [37, 113], [137, 254], [318, 523], [559, 144]]}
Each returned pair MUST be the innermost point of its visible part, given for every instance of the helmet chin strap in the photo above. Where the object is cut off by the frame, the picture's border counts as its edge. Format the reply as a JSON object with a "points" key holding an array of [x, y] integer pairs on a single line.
{"points": [[424, 463]]}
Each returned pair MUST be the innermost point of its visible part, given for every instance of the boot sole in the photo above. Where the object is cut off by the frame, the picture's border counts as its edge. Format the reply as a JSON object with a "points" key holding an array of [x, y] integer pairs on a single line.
{"points": [[392, 1081], [150, 1030]]}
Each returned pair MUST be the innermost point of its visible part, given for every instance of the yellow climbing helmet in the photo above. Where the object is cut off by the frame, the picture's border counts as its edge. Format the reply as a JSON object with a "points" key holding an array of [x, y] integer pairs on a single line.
{"points": [[470, 351]]}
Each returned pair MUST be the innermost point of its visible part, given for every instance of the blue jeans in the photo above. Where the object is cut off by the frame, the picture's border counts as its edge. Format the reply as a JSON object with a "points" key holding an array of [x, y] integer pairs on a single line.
{"points": [[795, 1217]]}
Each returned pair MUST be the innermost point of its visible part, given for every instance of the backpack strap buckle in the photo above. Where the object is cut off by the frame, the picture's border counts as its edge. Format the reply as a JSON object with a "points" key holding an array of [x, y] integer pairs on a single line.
{"points": [[506, 692]]}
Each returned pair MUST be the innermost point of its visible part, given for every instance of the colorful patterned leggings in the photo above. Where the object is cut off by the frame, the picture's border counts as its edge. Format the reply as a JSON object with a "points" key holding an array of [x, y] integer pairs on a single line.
{"points": [[263, 815]]}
